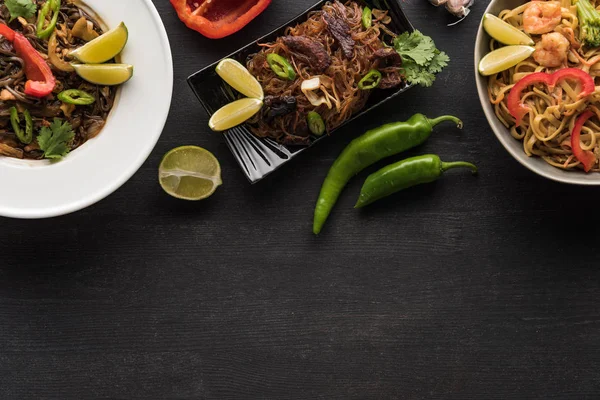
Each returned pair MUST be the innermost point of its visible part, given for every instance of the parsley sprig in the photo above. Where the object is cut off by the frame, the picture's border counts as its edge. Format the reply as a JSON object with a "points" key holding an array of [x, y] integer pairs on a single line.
{"points": [[20, 8], [421, 60]]}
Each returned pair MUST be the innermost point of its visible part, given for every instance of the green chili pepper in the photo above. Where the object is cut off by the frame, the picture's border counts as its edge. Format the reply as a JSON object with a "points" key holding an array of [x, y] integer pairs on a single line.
{"points": [[367, 18], [404, 174], [24, 135], [370, 80], [281, 66], [366, 150], [51, 6], [315, 123], [77, 97]]}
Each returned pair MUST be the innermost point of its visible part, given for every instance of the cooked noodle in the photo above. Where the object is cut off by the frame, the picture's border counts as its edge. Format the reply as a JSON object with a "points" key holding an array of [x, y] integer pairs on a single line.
{"points": [[87, 121], [546, 131], [344, 72]]}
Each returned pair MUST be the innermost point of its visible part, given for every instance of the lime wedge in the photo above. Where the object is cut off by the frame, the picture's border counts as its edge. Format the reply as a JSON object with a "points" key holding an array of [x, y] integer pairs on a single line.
{"points": [[189, 173], [104, 47], [239, 78], [504, 58], [504, 32], [234, 114], [104, 74]]}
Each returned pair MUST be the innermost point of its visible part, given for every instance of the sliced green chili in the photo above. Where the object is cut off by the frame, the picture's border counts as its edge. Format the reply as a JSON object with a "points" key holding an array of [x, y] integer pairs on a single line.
{"points": [[370, 81], [24, 135], [77, 97], [281, 66], [28, 128], [315, 123], [53, 7], [14, 119], [367, 18]]}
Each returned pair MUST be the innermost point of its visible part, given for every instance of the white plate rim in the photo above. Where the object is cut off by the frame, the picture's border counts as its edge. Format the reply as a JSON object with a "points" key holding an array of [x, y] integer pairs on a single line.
{"points": [[133, 166]]}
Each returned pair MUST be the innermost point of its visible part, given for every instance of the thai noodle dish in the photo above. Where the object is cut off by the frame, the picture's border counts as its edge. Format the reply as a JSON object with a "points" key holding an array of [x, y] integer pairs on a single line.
{"points": [[321, 72], [58, 77], [549, 100]]}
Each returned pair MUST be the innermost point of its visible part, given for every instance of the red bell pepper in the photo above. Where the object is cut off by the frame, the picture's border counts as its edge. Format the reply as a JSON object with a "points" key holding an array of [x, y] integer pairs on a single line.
{"points": [[41, 81], [516, 107], [216, 19], [586, 157]]}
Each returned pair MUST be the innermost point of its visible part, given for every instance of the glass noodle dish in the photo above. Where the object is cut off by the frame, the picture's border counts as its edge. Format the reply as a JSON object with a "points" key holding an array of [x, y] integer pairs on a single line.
{"points": [[321, 71], [547, 96], [324, 60], [58, 77]]}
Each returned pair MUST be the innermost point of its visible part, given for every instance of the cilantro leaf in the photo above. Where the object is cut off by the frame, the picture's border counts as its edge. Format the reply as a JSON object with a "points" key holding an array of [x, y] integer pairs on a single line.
{"points": [[20, 8], [421, 60], [53, 140], [438, 62]]}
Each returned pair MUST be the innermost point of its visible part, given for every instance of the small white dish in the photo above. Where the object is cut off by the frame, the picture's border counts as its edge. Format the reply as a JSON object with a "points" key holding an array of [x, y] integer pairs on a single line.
{"points": [[42, 189], [513, 146]]}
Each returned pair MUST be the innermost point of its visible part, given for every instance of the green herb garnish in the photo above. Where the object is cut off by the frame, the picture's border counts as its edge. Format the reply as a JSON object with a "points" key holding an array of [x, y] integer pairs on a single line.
{"points": [[421, 60], [20, 8], [54, 140]]}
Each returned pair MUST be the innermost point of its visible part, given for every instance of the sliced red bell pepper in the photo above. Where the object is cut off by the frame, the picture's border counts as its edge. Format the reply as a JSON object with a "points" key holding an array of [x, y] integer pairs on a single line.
{"points": [[586, 157], [41, 81], [516, 107], [8, 33], [216, 19]]}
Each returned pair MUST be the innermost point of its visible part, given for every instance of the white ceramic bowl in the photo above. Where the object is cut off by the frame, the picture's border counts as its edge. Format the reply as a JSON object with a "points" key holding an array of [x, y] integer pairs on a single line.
{"points": [[515, 147], [41, 189]]}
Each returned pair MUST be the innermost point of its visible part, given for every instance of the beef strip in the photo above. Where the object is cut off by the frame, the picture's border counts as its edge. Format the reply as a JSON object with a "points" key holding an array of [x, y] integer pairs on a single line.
{"points": [[388, 56], [312, 51], [340, 30], [390, 80]]}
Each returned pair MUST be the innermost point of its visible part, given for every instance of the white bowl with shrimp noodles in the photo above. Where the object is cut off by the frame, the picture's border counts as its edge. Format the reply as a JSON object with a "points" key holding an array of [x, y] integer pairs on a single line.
{"points": [[35, 187], [542, 141]]}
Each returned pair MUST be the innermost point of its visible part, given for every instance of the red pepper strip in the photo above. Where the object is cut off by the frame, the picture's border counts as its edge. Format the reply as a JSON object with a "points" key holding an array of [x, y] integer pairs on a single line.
{"points": [[8, 33], [586, 157], [516, 107], [41, 81], [218, 18]]}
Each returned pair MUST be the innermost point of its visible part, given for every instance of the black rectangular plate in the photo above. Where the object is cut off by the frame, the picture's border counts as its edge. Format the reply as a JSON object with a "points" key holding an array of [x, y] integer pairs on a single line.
{"points": [[258, 157]]}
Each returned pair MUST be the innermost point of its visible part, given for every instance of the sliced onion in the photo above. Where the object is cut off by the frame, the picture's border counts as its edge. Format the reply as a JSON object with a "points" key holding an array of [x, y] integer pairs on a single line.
{"points": [[309, 88]]}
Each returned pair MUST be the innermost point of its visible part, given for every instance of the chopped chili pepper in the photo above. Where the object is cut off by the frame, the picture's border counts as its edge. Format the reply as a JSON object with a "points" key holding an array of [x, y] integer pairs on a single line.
{"points": [[24, 135], [281, 66], [367, 18], [315, 123], [52, 6], [586, 157], [370, 81], [77, 97], [217, 19], [516, 107], [41, 81]]}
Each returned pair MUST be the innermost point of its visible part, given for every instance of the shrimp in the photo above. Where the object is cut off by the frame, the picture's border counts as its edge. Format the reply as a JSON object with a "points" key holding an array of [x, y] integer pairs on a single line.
{"points": [[552, 50], [541, 17]]}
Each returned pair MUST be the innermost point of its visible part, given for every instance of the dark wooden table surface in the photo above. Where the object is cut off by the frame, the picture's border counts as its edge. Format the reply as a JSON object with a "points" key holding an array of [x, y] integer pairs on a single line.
{"points": [[470, 288]]}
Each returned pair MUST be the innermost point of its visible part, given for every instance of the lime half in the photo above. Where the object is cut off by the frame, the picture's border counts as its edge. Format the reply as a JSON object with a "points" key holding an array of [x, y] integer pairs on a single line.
{"points": [[234, 114], [104, 74], [504, 32], [239, 78], [189, 173], [504, 58], [104, 47]]}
